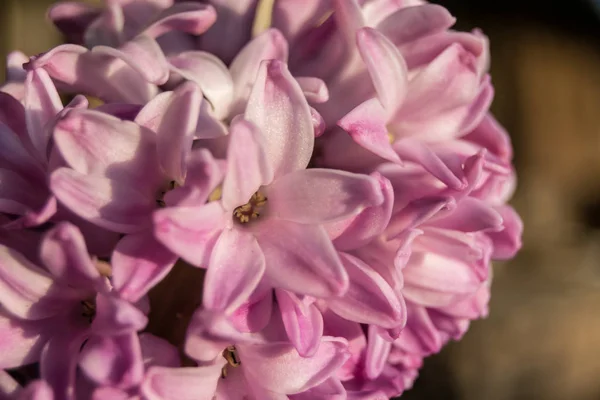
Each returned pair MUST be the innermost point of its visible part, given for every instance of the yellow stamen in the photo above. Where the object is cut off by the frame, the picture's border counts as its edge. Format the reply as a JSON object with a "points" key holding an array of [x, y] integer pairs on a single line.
{"points": [[104, 268], [250, 210], [263, 17], [232, 360], [216, 194]]}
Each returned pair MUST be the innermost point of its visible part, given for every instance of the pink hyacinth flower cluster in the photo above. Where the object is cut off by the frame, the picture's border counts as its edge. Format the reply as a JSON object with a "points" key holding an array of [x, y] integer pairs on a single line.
{"points": [[335, 174]]}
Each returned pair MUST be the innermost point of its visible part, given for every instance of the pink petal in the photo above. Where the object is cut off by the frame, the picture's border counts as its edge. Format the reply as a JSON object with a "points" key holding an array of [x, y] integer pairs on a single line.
{"points": [[72, 18], [300, 258], [278, 107], [247, 165], [471, 215], [115, 316], [99, 144], [508, 241], [42, 103], [278, 367], [12, 114], [370, 222], [104, 202], [113, 361], [21, 341], [319, 125], [492, 136], [190, 232], [157, 351], [198, 383], [232, 276], [27, 291], [210, 74], [144, 55], [269, 45], [303, 322], [185, 17], [331, 389], [255, 313], [369, 299], [317, 195], [18, 195], [36, 390], [367, 124], [65, 254], [314, 89], [138, 263], [8, 386], [412, 23], [107, 28], [14, 153], [108, 393], [378, 350], [349, 19], [386, 68]]}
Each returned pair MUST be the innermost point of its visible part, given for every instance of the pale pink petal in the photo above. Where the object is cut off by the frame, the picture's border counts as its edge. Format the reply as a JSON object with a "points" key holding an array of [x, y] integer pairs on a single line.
{"points": [[104, 202], [27, 291], [157, 351], [14, 153], [471, 215], [301, 258], [492, 136], [279, 109], [232, 276], [367, 125], [18, 195], [113, 361], [94, 143], [279, 368], [210, 74], [190, 232], [186, 17], [255, 313], [302, 320], [8, 386], [21, 341], [411, 23], [349, 19], [314, 89], [36, 390], [318, 195], [42, 103], [115, 316], [72, 18], [369, 299], [107, 29], [138, 263], [370, 222], [247, 165], [378, 350], [198, 383], [386, 67], [319, 125], [108, 393], [65, 254], [331, 389], [508, 241]]}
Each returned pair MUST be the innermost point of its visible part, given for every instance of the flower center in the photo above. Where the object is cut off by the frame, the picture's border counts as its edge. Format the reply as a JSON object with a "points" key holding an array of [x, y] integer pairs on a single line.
{"points": [[161, 194], [250, 210], [88, 309], [232, 358]]}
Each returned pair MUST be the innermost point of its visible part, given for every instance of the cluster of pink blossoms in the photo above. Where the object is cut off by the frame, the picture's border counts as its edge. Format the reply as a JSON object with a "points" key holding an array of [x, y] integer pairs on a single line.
{"points": [[337, 175]]}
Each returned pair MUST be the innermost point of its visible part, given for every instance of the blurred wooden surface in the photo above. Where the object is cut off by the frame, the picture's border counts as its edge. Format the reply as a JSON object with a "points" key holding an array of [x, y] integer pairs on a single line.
{"points": [[542, 339]]}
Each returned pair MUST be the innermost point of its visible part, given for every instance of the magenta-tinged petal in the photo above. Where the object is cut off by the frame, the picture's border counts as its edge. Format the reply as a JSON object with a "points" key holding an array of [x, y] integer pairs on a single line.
{"points": [[367, 125], [21, 341], [138, 263], [14, 155], [349, 19], [65, 254], [116, 316], [12, 114], [378, 350], [144, 55], [317, 195], [232, 276], [36, 390], [435, 281], [190, 232], [269, 45], [72, 18], [157, 351], [247, 165], [113, 361], [186, 17], [27, 291], [255, 313], [18, 195], [58, 362], [278, 107], [109, 393], [471, 215], [279, 368], [412, 23], [369, 299], [319, 125], [189, 383], [95, 143], [301, 258], [210, 74], [107, 29], [370, 222], [386, 67], [492, 136], [417, 213], [302, 320], [8, 386], [42, 103], [79, 70], [508, 241], [331, 389], [104, 202]]}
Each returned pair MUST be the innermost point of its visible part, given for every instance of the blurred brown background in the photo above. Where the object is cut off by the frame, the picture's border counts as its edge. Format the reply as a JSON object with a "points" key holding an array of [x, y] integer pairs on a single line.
{"points": [[542, 339]]}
